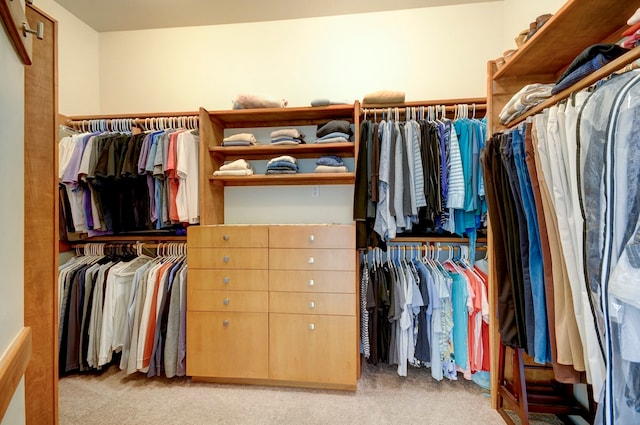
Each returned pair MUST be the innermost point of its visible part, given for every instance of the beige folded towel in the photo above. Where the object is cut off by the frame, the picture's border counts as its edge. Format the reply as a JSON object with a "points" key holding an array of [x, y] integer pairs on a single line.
{"points": [[331, 169]]}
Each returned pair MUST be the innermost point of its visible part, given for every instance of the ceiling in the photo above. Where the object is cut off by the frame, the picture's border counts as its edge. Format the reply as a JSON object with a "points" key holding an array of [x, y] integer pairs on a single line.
{"points": [[123, 15]]}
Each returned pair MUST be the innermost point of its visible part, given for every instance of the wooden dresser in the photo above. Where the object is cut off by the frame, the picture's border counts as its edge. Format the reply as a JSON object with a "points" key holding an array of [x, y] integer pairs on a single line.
{"points": [[273, 304]]}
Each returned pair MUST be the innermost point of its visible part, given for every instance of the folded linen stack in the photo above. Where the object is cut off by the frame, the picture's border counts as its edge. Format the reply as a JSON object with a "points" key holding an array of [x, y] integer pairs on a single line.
{"points": [[528, 97], [284, 164], [335, 131], [242, 139], [330, 164], [287, 136], [239, 167]]}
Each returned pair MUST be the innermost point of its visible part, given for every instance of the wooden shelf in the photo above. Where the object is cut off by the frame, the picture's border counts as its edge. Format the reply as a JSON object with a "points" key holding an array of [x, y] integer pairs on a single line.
{"points": [[603, 72], [576, 26], [278, 117], [286, 179], [311, 150]]}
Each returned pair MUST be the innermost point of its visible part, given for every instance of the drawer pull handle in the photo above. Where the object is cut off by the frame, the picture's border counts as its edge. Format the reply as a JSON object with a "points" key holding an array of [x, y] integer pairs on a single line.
{"points": [[225, 280], [312, 238], [311, 326], [226, 301], [311, 282], [225, 323], [225, 237], [312, 304], [225, 259], [311, 260]]}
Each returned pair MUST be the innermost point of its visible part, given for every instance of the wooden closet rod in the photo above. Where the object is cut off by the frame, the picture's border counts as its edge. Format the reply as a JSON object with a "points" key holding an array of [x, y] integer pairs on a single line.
{"points": [[134, 116]]}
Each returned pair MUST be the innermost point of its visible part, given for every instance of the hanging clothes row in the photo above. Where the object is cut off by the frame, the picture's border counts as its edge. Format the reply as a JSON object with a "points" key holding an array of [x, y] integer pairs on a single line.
{"points": [[119, 305], [563, 197], [115, 178], [419, 310], [419, 176]]}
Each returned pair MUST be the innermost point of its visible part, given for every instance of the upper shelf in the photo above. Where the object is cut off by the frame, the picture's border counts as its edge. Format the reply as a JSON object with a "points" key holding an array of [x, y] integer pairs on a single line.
{"points": [[576, 26], [272, 117]]}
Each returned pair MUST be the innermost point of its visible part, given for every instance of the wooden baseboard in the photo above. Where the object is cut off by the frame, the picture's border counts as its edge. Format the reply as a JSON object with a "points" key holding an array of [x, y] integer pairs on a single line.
{"points": [[12, 367], [276, 383]]}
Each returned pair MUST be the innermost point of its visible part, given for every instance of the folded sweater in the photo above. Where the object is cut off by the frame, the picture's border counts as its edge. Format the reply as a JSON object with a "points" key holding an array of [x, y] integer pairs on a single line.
{"points": [[282, 158], [238, 164], [241, 137], [233, 172], [331, 169]]}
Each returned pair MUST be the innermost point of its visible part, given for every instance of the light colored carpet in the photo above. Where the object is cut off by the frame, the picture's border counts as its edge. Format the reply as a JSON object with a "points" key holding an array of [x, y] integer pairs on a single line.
{"points": [[382, 398]]}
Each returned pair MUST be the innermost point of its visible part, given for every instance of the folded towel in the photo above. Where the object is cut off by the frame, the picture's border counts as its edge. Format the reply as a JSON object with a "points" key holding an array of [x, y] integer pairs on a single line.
{"points": [[330, 169], [286, 132], [383, 96], [238, 164], [233, 172], [241, 137], [282, 158], [251, 101]]}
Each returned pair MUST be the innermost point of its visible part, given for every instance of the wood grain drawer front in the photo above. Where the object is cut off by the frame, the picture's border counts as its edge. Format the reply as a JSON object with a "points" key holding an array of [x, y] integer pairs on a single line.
{"points": [[304, 236], [251, 301], [231, 280], [312, 281], [312, 259], [229, 345], [310, 348], [307, 303], [231, 236], [228, 258]]}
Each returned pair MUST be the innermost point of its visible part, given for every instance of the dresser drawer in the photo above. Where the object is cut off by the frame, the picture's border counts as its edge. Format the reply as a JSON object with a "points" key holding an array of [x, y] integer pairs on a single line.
{"points": [[228, 345], [313, 236], [309, 348], [232, 236], [251, 301], [312, 259], [228, 258], [308, 303], [230, 280], [311, 281]]}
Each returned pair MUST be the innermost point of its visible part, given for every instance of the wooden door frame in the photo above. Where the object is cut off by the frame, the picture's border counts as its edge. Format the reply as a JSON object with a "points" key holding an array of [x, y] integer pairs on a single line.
{"points": [[41, 224]]}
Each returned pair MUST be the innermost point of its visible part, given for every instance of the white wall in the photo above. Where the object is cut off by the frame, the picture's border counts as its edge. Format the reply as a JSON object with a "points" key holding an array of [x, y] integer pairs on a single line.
{"points": [[428, 53], [78, 62], [518, 14], [11, 210]]}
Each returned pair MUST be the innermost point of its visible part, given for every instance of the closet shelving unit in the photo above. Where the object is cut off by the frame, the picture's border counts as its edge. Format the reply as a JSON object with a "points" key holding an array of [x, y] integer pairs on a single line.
{"points": [[542, 59], [213, 154]]}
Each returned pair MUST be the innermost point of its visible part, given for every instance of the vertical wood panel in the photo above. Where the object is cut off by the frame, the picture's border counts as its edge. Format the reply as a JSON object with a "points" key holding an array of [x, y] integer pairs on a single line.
{"points": [[40, 223]]}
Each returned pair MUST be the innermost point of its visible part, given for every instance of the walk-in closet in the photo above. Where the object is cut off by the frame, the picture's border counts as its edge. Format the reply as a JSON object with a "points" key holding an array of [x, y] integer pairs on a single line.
{"points": [[284, 213]]}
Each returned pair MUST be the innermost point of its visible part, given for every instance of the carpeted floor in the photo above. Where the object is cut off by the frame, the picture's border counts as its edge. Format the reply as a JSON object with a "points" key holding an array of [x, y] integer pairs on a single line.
{"points": [[382, 398]]}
